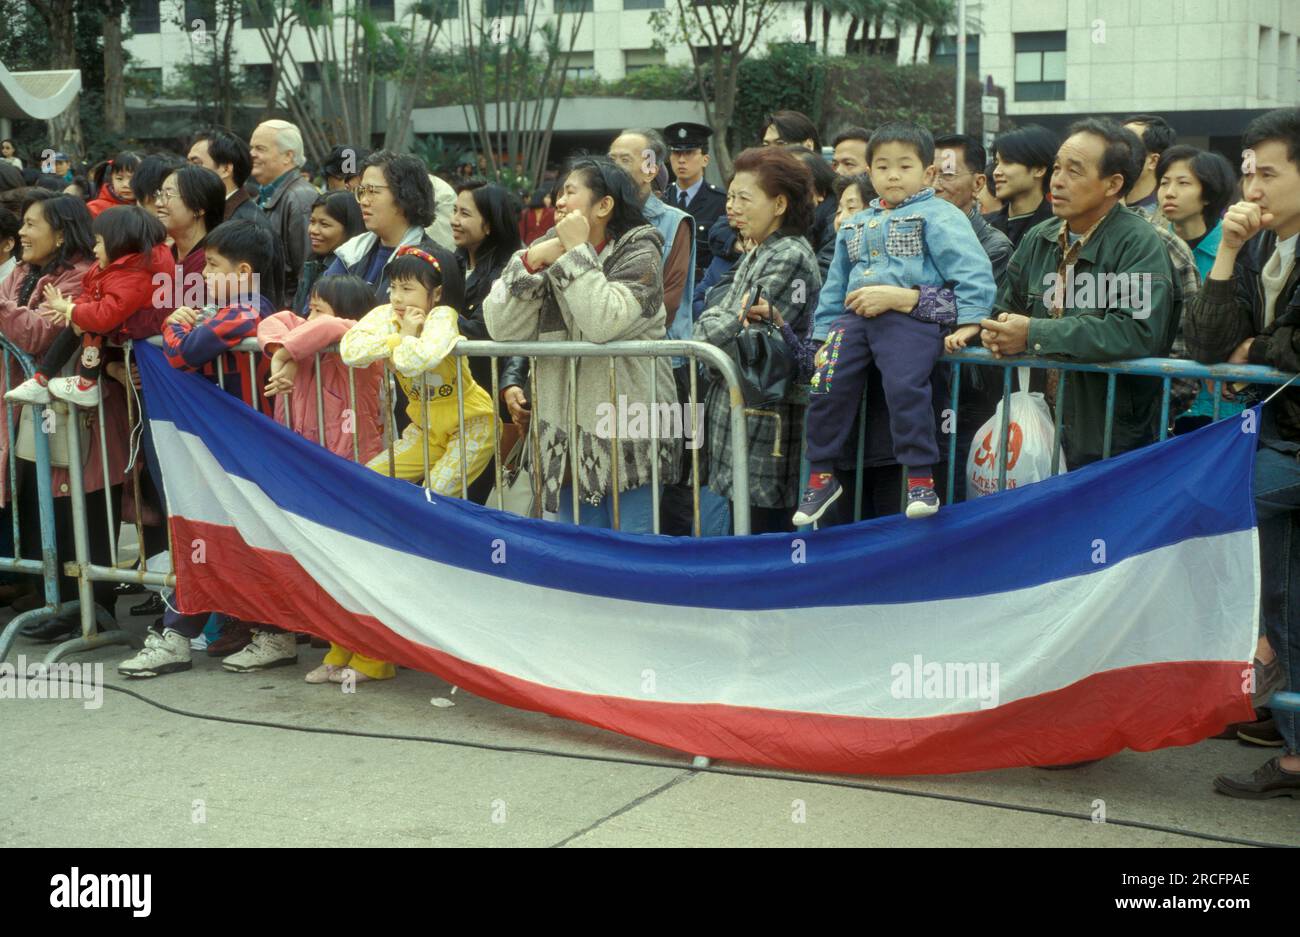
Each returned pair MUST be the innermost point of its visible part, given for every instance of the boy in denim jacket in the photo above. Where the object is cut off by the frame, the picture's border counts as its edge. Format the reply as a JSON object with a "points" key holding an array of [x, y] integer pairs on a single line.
{"points": [[907, 241]]}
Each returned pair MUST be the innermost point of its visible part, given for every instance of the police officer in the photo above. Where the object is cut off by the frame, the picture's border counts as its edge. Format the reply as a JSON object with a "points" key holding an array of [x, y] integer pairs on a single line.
{"points": [[689, 146]]}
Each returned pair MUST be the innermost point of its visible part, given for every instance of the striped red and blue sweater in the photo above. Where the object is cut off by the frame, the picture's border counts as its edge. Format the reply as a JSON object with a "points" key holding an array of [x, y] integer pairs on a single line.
{"points": [[200, 347]]}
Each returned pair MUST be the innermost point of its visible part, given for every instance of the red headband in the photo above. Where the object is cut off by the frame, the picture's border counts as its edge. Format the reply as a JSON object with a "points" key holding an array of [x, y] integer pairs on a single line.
{"points": [[423, 255]]}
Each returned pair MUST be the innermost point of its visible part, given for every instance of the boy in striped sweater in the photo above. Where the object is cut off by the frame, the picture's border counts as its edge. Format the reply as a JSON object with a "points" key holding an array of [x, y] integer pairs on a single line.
{"points": [[241, 270]]}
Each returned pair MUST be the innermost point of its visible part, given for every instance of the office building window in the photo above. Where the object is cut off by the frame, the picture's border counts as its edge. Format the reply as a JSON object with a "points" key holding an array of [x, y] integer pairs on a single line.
{"points": [[145, 17], [581, 65], [636, 59], [943, 51], [1040, 66]]}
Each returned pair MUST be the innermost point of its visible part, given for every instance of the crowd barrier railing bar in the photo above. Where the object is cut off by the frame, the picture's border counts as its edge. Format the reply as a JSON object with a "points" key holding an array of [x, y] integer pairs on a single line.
{"points": [[1167, 370], [47, 566], [88, 572]]}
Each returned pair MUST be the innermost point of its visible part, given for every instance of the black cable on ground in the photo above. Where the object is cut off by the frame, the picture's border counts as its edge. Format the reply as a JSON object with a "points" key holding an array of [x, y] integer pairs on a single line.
{"points": [[710, 769]]}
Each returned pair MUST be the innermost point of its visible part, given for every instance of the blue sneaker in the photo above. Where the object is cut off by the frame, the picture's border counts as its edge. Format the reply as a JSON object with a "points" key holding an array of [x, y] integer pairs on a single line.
{"points": [[815, 501], [922, 501]]}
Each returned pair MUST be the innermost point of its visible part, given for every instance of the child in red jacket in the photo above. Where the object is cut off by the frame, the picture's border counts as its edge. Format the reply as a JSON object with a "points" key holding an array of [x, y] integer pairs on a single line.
{"points": [[130, 249]]}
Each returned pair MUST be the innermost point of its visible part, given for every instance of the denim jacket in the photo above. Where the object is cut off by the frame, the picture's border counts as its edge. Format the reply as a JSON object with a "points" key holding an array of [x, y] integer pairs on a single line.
{"points": [[924, 241]]}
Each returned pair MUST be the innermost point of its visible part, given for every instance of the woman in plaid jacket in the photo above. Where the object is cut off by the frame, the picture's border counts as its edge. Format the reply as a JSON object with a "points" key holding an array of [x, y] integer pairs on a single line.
{"points": [[770, 203]]}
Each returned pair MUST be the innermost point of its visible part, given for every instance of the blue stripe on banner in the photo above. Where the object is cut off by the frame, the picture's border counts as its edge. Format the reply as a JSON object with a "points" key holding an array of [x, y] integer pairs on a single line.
{"points": [[1196, 485]]}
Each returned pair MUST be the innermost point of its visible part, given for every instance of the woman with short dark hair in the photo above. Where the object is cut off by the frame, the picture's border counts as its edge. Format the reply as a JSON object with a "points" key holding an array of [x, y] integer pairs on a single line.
{"points": [[397, 204], [597, 278], [770, 198]]}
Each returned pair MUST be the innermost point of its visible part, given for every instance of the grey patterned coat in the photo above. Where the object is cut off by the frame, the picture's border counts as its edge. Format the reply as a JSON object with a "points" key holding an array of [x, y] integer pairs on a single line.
{"points": [[785, 266], [611, 297]]}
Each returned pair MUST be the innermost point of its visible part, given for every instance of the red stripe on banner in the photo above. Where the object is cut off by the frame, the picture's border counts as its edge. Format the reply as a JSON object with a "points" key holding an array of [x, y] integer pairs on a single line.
{"points": [[1142, 708]]}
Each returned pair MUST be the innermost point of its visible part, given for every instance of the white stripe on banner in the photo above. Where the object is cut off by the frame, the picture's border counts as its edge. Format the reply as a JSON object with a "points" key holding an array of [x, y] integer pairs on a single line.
{"points": [[1167, 605]]}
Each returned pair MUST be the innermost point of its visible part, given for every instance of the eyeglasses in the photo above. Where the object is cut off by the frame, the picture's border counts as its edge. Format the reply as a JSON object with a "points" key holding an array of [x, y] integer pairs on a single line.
{"points": [[367, 191], [163, 196]]}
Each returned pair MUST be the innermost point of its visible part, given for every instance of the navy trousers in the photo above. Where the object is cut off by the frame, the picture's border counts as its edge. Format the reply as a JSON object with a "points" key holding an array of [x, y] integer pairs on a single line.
{"points": [[905, 350]]}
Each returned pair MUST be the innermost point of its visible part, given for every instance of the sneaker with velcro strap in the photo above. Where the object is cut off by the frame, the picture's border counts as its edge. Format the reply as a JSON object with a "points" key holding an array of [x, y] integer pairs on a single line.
{"points": [[168, 652], [267, 649], [815, 501]]}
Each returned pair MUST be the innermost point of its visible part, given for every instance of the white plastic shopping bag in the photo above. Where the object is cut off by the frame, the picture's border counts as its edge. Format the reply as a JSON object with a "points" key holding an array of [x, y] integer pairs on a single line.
{"points": [[1029, 447]]}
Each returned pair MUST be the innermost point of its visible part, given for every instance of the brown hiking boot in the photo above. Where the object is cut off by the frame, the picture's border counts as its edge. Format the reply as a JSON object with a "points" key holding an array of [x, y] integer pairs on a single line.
{"points": [[235, 636]]}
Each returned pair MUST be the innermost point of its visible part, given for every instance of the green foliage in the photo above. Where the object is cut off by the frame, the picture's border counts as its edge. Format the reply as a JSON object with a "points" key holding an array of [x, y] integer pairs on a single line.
{"points": [[790, 77], [869, 92], [656, 83], [440, 156]]}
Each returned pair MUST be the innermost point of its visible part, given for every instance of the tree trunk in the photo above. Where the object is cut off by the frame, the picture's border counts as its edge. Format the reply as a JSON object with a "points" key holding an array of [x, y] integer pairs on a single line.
{"points": [[807, 20], [65, 129], [227, 67], [880, 26], [114, 80], [851, 35], [826, 29], [916, 43]]}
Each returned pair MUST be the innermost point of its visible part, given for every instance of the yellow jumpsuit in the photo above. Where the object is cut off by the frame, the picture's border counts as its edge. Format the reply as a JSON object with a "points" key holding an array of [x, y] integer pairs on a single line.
{"points": [[376, 337]]}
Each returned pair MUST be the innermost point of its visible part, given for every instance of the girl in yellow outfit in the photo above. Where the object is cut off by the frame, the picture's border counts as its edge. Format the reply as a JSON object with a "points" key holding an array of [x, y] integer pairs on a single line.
{"points": [[415, 336]]}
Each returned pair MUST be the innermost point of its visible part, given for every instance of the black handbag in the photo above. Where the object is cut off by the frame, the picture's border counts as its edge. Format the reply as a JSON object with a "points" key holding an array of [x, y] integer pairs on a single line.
{"points": [[766, 367]]}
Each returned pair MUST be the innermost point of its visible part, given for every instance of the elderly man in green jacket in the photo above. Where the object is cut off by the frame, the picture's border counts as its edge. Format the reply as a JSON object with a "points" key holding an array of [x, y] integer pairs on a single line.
{"points": [[1093, 283]]}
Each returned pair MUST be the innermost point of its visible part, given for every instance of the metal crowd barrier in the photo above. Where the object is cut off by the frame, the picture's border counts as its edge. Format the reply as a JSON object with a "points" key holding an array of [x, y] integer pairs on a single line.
{"points": [[1163, 369], [88, 572], [1166, 370], [47, 566]]}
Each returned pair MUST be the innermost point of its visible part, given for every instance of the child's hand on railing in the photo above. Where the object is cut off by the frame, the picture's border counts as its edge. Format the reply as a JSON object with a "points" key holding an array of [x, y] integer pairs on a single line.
{"points": [[960, 337], [183, 315], [283, 371]]}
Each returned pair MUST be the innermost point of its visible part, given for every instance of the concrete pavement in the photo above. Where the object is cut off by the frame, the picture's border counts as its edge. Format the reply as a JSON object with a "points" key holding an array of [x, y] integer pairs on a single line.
{"points": [[132, 774]]}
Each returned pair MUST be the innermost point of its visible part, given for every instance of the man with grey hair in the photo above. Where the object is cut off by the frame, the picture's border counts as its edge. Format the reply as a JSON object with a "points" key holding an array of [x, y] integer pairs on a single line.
{"points": [[643, 154], [285, 196]]}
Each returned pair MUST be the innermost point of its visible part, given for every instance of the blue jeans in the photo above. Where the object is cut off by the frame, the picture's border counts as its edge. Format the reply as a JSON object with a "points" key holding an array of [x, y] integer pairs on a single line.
{"points": [[634, 511], [1277, 509]]}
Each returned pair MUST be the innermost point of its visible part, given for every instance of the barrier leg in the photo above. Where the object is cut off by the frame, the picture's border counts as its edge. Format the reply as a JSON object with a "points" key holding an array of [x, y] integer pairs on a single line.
{"points": [[81, 544]]}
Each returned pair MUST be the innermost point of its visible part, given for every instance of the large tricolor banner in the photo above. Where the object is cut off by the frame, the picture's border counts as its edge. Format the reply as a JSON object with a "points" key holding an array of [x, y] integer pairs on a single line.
{"points": [[1114, 607]]}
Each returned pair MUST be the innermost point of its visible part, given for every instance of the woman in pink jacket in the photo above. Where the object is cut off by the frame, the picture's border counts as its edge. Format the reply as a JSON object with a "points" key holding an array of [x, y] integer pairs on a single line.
{"points": [[292, 342], [58, 249]]}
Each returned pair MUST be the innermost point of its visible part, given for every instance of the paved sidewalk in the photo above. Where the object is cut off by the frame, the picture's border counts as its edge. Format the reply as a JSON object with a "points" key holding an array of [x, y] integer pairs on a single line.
{"points": [[131, 774]]}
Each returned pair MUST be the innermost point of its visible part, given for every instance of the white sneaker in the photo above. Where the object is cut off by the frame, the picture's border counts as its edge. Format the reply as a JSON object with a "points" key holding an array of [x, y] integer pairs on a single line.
{"points": [[168, 652], [29, 391], [266, 650], [70, 389]]}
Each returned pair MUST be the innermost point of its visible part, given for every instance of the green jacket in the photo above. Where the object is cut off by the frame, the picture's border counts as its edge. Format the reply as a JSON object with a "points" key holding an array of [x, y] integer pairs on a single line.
{"points": [[1129, 318]]}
